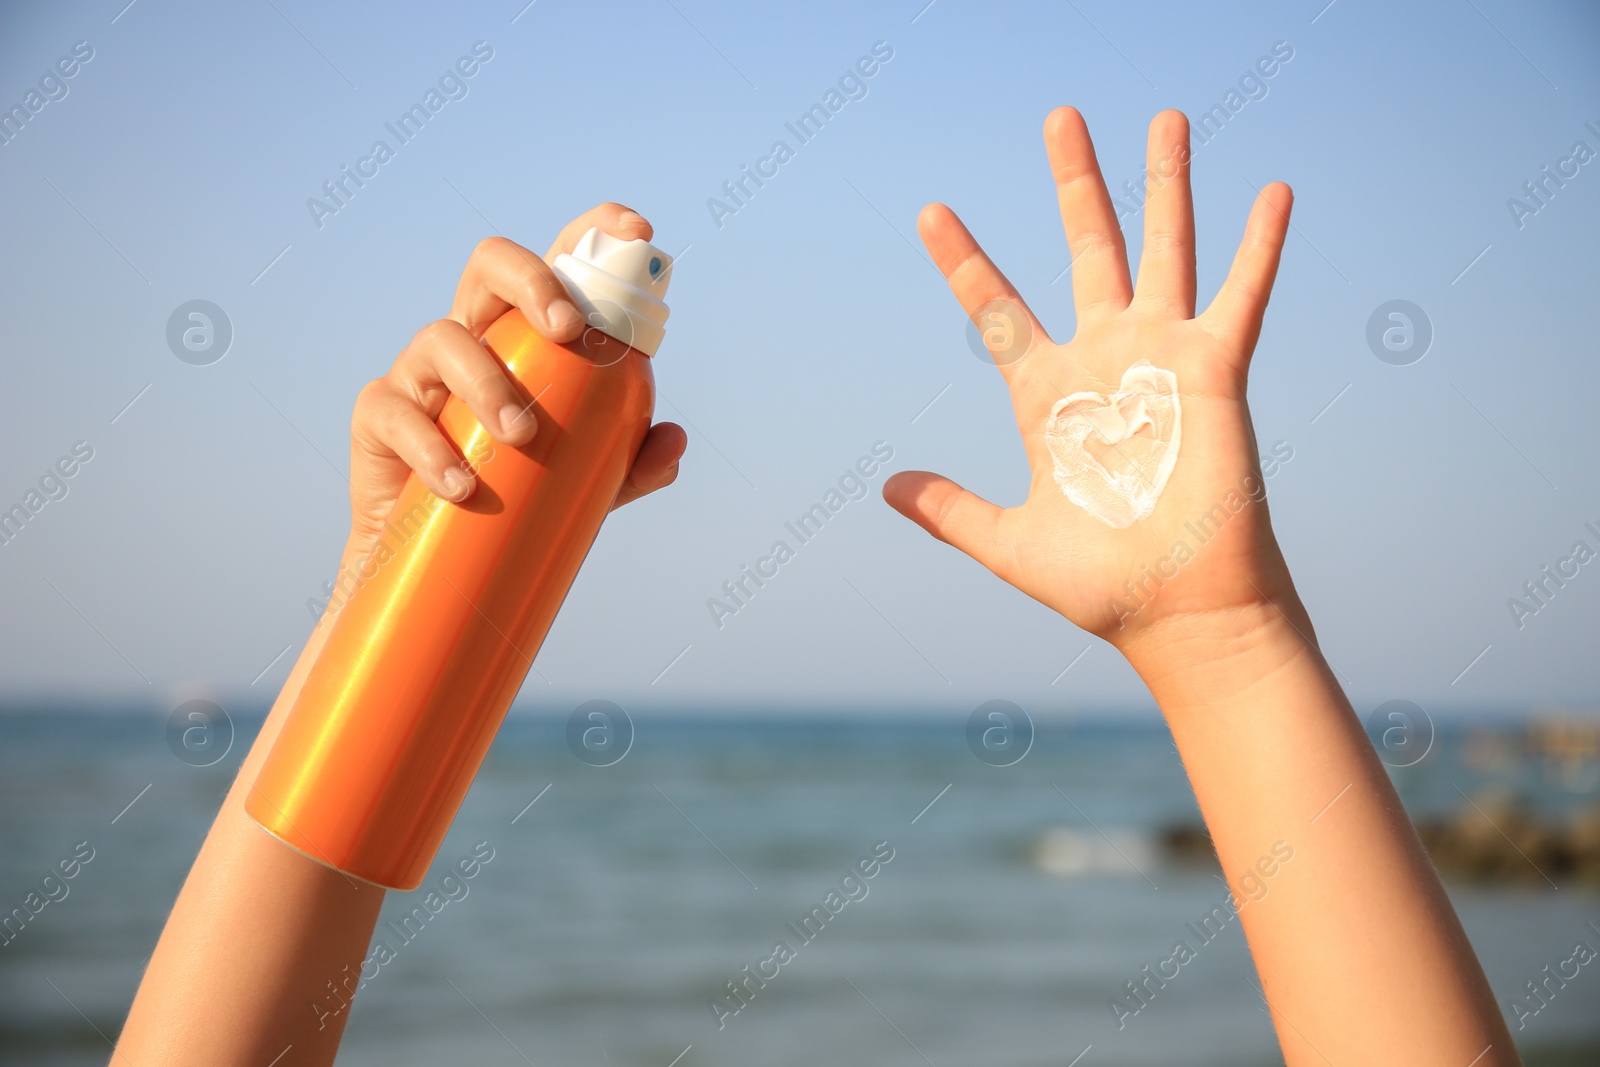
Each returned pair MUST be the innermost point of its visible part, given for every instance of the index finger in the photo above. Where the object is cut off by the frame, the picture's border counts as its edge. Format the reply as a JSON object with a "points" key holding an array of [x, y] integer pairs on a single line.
{"points": [[1236, 312], [502, 274], [1004, 321], [618, 220]]}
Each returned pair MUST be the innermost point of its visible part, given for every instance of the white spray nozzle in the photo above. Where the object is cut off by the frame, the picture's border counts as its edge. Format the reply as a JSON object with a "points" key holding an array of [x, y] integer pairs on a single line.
{"points": [[618, 286]]}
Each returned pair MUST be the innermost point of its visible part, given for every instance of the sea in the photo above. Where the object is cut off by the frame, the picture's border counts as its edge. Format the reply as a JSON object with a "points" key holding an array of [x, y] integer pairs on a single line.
{"points": [[628, 889]]}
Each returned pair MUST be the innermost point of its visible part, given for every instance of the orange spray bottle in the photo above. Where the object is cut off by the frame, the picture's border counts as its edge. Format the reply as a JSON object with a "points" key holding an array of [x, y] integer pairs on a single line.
{"points": [[427, 653]]}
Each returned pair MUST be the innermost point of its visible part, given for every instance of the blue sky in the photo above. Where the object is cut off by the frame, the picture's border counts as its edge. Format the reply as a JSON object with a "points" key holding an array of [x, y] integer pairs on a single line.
{"points": [[806, 327]]}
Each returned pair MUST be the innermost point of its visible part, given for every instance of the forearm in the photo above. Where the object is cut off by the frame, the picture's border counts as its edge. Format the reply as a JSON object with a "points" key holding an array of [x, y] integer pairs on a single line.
{"points": [[243, 967], [1360, 954]]}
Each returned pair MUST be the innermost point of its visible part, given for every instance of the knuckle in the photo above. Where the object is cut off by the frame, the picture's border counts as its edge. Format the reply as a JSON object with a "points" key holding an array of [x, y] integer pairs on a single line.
{"points": [[520, 275], [945, 509], [430, 456], [1095, 243], [1165, 243], [1243, 288], [434, 335], [972, 256], [531, 275], [1078, 176], [1105, 305], [373, 414], [487, 382], [371, 398], [490, 246], [1164, 303], [426, 450]]}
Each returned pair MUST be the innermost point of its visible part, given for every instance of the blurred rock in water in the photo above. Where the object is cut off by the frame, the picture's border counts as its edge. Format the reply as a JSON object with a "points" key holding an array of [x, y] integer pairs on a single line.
{"points": [[1188, 845], [1498, 838]]}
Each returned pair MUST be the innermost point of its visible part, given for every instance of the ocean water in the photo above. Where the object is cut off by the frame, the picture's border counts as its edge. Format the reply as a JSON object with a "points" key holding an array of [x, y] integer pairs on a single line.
{"points": [[1018, 901]]}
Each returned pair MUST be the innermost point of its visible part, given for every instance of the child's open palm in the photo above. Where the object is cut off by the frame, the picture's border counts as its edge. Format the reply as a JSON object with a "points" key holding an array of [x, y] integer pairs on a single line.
{"points": [[1118, 581]]}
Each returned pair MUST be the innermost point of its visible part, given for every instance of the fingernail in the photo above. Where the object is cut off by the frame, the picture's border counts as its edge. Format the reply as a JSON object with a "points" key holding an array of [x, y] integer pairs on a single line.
{"points": [[562, 316], [514, 418], [631, 218], [456, 484]]}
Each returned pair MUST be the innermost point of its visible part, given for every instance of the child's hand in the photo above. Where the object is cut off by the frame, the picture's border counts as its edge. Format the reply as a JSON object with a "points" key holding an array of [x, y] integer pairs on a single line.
{"points": [[1049, 547], [392, 431]]}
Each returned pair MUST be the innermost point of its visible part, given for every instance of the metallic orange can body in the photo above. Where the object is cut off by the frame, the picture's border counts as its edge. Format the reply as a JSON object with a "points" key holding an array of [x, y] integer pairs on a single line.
{"points": [[444, 617]]}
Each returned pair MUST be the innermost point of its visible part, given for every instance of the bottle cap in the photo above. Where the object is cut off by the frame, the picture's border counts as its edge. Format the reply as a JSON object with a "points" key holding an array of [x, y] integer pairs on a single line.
{"points": [[618, 287]]}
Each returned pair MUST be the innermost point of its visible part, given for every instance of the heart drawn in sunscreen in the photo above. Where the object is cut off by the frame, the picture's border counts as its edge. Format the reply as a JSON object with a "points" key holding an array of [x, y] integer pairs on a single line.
{"points": [[1113, 454]]}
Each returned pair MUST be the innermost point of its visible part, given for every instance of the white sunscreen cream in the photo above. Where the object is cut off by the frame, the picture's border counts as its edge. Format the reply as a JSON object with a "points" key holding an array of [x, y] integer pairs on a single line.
{"points": [[1114, 453]]}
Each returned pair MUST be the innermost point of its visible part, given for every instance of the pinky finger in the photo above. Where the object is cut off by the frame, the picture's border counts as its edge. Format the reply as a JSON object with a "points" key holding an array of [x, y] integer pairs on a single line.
{"points": [[1235, 314]]}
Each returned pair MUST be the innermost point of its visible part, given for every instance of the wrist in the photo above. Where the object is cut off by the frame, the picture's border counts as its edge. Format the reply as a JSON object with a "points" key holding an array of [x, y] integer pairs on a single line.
{"points": [[1199, 659]]}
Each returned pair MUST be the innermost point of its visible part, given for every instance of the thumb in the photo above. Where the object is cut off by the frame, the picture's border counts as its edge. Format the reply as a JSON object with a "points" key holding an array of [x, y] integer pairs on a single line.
{"points": [[956, 516]]}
